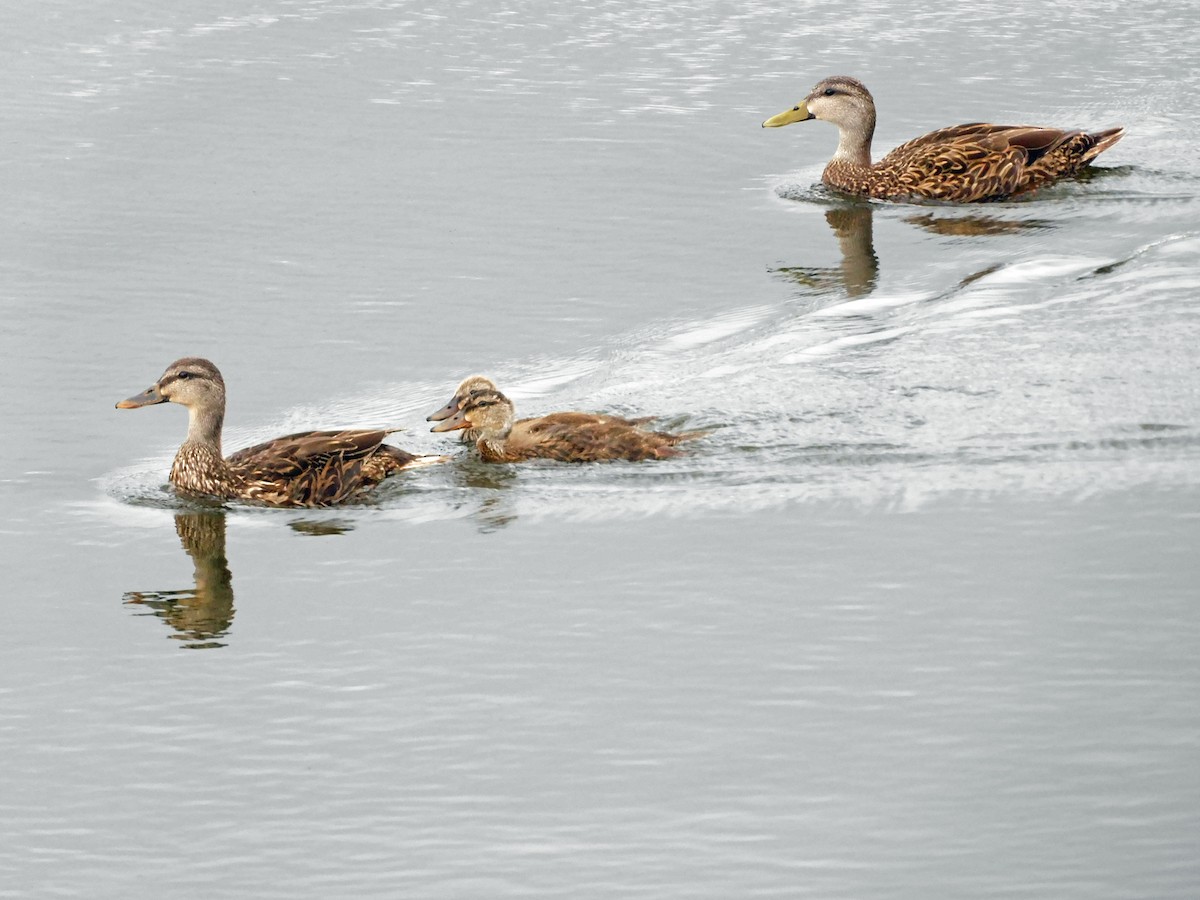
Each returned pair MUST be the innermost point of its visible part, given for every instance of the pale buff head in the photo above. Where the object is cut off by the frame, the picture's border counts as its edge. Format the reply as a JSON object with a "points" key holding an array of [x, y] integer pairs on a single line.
{"points": [[845, 102], [469, 385], [487, 412], [194, 383]]}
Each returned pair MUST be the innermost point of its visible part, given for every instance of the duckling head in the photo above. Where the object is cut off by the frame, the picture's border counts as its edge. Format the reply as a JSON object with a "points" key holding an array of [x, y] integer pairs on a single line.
{"points": [[469, 385], [487, 412]]}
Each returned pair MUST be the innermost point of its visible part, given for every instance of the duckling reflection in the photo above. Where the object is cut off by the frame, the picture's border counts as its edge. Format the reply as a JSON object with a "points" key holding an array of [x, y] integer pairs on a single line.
{"points": [[203, 614], [321, 527], [488, 493]]}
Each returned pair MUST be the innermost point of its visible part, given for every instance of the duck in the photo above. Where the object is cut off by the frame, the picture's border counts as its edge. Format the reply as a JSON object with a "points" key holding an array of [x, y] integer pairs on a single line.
{"points": [[972, 163], [474, 383], [566, 437], [306, 469]]}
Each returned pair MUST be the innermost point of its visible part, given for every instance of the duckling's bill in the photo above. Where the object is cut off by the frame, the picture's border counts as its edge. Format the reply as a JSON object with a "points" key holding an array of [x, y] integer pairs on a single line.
{"points": [[454, 422], [148, 397], [445, 412], [798, 113]]}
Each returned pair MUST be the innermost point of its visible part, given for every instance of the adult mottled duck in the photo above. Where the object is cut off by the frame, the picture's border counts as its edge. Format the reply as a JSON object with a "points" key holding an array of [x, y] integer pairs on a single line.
{"points": [[474, 383], [963, 163], [566, 437], [311, 468]]}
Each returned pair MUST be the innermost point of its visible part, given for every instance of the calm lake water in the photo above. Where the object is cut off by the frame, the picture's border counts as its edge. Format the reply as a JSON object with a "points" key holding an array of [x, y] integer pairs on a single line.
{"points": [[919, 618]]}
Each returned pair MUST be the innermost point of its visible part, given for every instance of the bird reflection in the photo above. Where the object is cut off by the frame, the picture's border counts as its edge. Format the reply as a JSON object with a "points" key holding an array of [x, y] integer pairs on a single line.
{"points": [[489, 495], [320, 527], [974, 225], [853, 226], [203, 614]]}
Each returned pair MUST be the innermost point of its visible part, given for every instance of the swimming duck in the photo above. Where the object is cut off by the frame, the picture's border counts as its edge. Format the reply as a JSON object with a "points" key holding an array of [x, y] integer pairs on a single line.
{"points": [[963, 163], [566, 437], [474, 383], [311, 468]]}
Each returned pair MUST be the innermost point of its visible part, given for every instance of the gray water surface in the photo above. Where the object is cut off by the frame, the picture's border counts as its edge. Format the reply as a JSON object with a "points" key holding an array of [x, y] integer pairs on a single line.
{"points": [[917, 619]]}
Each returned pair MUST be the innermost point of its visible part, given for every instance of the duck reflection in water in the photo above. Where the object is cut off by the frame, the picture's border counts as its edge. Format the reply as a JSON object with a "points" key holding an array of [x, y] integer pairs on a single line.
{"points": [[856, 276], [491, 505], [203, 614], [853, 226], [321, 527]]}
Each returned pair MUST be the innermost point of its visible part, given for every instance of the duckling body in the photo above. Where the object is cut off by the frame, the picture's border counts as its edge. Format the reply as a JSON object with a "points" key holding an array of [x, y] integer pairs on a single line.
{"points": [[306, 469], [566, 437], [970, 163], [522, 429]]}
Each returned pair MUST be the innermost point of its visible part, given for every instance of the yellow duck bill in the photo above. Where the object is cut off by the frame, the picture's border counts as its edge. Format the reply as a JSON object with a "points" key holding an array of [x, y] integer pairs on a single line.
{"points": [[798, 113]]}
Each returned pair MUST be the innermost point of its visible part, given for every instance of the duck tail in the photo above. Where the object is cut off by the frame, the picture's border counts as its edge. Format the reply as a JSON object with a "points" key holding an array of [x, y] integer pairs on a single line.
{"points": [[430, 459], [692, 435]]}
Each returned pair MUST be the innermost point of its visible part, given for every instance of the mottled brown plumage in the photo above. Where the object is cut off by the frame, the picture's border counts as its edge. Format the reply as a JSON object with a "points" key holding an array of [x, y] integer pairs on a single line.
{"points": [[963, 163], [311, 468], [566, 437], [475, 383]]}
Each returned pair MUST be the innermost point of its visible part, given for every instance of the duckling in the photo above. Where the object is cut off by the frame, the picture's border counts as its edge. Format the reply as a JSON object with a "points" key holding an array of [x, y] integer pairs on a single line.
{"points": [[311, 468], [474, 383], [964, 163], [566, 437]]}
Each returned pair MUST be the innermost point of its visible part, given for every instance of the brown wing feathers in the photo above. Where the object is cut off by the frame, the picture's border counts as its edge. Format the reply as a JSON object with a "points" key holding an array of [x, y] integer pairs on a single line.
{"points": [[317, 468], [979, 161]]}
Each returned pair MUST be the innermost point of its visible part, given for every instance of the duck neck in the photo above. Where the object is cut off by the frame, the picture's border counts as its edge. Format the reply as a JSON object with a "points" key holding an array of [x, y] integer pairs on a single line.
{"points": [[204, 427], [854, 142], [199, 465], [493, 443]]}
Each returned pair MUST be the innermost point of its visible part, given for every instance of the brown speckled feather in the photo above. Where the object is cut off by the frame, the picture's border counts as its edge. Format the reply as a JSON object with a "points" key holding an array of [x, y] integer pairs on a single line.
{"points": [[525, 428], [972, 163], [574, 437], [316, 468]]}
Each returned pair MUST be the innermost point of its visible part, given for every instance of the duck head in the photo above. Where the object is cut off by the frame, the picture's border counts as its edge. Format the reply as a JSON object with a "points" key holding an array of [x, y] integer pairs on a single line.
{"points": [[845, 102], [839, 99], [197, 384], [191, 382]]}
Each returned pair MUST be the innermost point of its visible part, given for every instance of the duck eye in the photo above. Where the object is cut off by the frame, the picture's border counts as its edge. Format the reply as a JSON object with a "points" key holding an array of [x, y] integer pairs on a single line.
{"points": [[185, 374], [829, 92]]}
